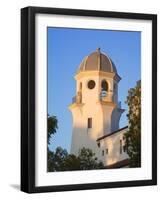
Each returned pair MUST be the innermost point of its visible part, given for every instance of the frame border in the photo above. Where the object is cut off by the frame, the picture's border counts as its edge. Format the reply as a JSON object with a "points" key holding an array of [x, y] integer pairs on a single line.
{"points": [[28, 98]]}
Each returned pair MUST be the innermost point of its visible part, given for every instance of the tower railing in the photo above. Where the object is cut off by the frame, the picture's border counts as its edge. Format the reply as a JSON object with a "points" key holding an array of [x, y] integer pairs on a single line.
{"points": [[106, 96], [74, 99], [77, 98]]}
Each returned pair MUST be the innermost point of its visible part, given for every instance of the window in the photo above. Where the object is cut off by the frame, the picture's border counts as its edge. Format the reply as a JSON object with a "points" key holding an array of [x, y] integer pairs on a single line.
{"points": [[102, 152], [80, 86], [98, 144], [104, 86], [106, 151], [89, 123], [91, 84], [120, 146]]}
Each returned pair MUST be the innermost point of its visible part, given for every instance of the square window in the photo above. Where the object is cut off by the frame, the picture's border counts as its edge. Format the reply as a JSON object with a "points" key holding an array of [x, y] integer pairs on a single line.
{"points": [[120, 146], [89, 122]]}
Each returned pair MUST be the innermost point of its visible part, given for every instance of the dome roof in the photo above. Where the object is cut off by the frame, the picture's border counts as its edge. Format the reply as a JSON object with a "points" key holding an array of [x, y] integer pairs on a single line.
{"points": [[97, 61]]}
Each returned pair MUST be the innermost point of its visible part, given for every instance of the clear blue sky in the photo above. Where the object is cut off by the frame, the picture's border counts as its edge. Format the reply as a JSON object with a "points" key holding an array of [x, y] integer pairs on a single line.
{"points": [[66, 49]]}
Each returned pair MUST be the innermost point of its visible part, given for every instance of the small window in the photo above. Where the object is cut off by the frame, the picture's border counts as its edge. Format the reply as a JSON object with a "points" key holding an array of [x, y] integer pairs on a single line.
{"points": [[106, 151], [98, 144], [102, 152], [91, 84], [120, 146], [89, 122]]}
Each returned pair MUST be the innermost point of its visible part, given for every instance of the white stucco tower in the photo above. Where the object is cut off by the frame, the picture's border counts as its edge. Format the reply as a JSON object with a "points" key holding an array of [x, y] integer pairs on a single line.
{"points": [[95, 108]]}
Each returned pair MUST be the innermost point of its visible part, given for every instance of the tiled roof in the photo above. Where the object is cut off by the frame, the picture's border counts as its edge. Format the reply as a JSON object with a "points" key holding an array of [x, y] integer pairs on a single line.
{"points": [[97, 61]]}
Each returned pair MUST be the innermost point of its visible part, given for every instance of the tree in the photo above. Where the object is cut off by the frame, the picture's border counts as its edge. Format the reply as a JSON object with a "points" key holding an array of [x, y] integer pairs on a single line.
{"points": [[60, 160], [52, 126], [71, 163], [49, 160], [88, 160], [133, 135], [56, 160]]}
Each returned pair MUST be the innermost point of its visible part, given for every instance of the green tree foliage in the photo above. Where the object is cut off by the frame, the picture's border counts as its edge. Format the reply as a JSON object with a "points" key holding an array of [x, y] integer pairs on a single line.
{"points": [[52, 126], [49, 160], [71, 163], [133, 135], [60, 160], [88, 160], [57, 158]]}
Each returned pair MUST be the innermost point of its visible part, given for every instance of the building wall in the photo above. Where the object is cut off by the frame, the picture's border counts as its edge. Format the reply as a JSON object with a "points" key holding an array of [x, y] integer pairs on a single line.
{"points": [[105, 117], [112, 143], [95, 93], [82, 136], [90, 107]]}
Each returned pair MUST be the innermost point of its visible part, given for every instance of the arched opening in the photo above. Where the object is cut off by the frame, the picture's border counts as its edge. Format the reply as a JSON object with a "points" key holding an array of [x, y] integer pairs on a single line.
{"points": [[79, 94], [80, 86], [104, 86], [115, 86]]}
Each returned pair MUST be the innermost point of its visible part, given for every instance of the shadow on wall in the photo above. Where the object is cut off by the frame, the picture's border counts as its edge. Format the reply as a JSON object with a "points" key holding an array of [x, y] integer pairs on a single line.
{"points": [[115, 145], [83, 137], [109, 151]]}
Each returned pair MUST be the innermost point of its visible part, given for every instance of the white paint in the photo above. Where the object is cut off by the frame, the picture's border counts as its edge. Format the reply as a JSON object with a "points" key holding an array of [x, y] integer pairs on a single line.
{"points": [[44, 178], [112, 143], [105, 113]]}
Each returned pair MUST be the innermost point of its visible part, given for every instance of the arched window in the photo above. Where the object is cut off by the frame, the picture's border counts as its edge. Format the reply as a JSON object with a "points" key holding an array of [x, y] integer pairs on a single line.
{"points": [[115, 86], [104, 86], [80, 86]]}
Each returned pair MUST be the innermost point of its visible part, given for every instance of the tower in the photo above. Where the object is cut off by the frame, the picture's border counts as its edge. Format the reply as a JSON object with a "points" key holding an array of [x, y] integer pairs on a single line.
{"points": [[95, 108]]}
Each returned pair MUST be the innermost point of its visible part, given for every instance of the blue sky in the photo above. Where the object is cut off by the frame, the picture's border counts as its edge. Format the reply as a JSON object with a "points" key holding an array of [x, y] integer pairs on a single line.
{"points": [[66, 49]]}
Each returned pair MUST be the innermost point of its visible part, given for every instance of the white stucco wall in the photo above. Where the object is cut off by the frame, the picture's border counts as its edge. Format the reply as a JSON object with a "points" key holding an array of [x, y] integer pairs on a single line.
{"points": [[112, 143], [105, 115]]}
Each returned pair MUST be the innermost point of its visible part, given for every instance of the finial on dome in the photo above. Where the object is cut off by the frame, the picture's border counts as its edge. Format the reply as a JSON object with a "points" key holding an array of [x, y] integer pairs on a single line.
{"points": [[98, 50]]}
